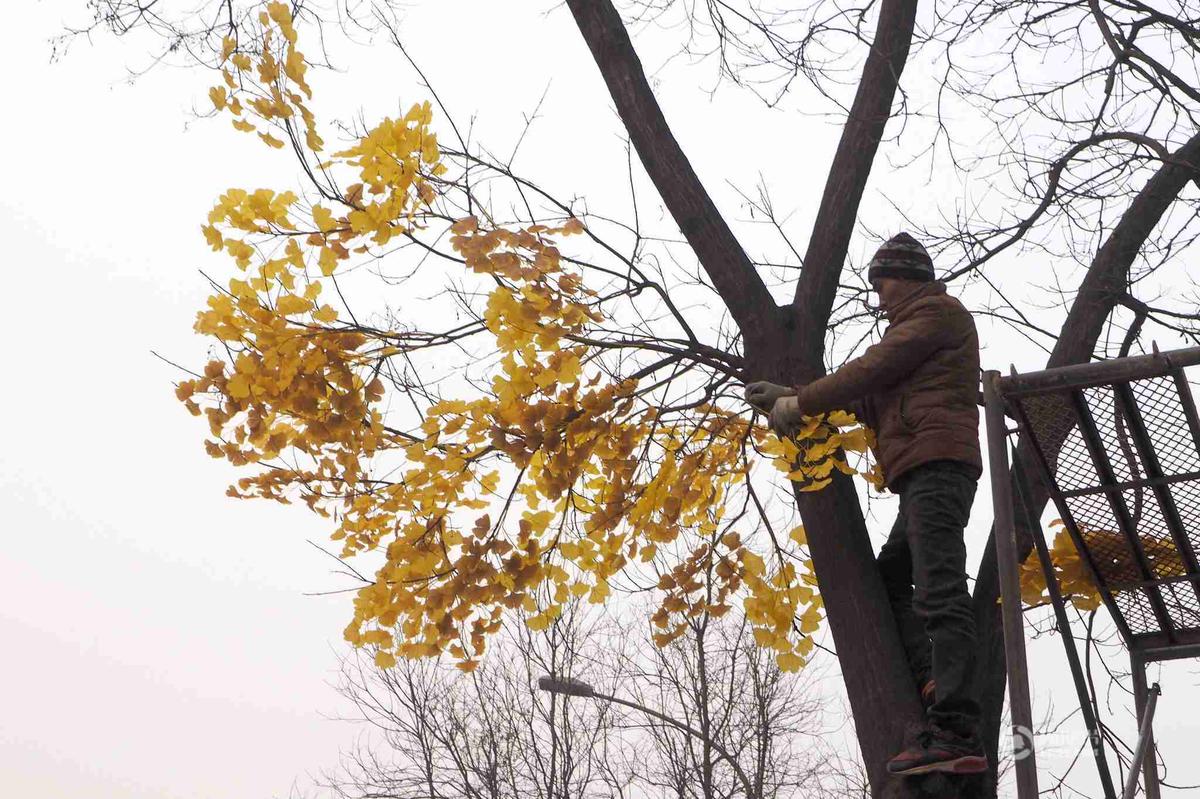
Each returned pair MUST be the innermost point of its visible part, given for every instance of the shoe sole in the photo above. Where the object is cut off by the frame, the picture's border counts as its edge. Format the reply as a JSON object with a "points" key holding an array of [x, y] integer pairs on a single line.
{"points": [[969, 764]]}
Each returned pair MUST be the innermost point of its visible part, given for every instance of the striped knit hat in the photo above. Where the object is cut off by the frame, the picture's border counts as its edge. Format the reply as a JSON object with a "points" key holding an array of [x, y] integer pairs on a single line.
{"points": [[901, 256]]}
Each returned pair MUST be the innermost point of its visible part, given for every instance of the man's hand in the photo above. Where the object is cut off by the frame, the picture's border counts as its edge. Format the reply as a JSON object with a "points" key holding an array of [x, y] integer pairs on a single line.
{"points": [[785, 416], [764, 395]]}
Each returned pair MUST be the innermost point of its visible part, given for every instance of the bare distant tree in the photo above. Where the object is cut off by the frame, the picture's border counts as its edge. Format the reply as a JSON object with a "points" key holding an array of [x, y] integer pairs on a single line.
{"points": [[489, 734], [718, 681]]}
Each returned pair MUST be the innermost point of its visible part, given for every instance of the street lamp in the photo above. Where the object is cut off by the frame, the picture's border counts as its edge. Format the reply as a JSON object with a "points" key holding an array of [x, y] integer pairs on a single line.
{"points": [[571, 687]]}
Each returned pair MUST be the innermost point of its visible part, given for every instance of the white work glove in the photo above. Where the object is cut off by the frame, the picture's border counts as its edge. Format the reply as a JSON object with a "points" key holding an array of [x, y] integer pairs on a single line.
{"points": [[785, 416], [763, 395]]}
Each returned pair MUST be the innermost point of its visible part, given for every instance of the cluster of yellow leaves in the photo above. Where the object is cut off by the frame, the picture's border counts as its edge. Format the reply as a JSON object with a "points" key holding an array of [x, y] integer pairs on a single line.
{"points": [[782, 602], [820, 447], [1072, 574], [595, 480], [395, 160], [1113, 557], [262, 81]]}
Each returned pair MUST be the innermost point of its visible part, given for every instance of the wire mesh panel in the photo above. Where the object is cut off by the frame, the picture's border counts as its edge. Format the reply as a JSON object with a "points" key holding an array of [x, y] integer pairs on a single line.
{"points": [[1162, 410], [1119, 446], [1187, 500]]}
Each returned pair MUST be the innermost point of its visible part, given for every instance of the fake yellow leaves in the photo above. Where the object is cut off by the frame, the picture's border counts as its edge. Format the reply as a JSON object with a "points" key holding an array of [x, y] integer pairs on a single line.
{"points": [[549, 483], [1072, 574], [1116, 562], [820, 447]]}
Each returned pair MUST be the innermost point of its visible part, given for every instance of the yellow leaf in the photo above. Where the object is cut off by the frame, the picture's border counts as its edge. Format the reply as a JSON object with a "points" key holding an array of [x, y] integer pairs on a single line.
{"points": [[271, 140], [280, 13], [465, 225], [218, 96], [798, 535], [599, 593], [238, 387], [810, 620], [539, 622], [327, 261], [841, 419], [855, 440], [289, 304], [244, 126], [325, 314], [323, 218], [384, 660], [213, 237], [753, 563]]}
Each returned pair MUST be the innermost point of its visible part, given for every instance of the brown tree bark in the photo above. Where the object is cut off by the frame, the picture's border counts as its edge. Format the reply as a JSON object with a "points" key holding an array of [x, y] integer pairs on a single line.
{"points": [[878, 681]]}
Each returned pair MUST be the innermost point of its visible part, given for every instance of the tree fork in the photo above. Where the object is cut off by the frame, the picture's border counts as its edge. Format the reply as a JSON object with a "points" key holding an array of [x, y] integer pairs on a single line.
{"points": [[879, 684]]}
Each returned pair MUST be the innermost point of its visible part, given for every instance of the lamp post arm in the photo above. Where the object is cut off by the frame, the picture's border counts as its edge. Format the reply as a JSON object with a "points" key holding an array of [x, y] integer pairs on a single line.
{"points": [[750, 793]]}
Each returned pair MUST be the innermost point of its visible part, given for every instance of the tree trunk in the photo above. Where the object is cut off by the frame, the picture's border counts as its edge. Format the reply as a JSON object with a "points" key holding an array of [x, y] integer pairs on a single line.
{"points": [[879, 684]]}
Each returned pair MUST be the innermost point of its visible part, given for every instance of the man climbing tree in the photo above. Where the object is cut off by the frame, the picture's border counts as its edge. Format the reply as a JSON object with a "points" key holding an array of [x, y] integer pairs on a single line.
{"points": [[917, 389]]}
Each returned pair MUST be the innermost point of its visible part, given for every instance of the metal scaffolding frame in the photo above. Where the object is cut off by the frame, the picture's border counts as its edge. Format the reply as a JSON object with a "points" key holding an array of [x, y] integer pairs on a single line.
{"points": [[1117, 445]]}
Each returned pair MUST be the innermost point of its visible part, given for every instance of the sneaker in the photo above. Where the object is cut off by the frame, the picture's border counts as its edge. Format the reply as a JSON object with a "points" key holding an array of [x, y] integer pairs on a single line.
{"points": [[940, 750]]}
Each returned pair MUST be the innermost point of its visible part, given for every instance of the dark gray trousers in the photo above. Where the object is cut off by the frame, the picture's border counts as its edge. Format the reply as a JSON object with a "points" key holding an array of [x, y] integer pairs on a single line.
{"points": [[923, 565]]}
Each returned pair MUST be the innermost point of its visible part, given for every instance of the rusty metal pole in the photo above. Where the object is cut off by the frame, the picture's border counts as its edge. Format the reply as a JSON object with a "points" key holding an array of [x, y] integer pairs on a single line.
{"points": [[1064, 629], [1144, 760], [1010, 589]]}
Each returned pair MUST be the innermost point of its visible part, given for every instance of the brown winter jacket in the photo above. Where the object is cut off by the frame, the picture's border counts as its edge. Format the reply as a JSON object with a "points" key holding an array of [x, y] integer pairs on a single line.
{"points": [[917, 388]]}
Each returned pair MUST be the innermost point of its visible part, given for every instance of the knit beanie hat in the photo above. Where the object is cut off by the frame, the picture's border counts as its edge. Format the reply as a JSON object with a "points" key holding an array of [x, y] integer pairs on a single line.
{"points": [[901, 256]]}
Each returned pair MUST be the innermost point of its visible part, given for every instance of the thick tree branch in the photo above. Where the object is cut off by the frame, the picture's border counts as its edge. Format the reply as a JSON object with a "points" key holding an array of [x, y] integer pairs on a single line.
{"points": [[726, 263], [848, 176]]}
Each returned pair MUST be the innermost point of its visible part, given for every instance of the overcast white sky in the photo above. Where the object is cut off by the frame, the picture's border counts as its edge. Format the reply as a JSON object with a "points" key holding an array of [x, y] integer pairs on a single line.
{"points": [[157, 638]]}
